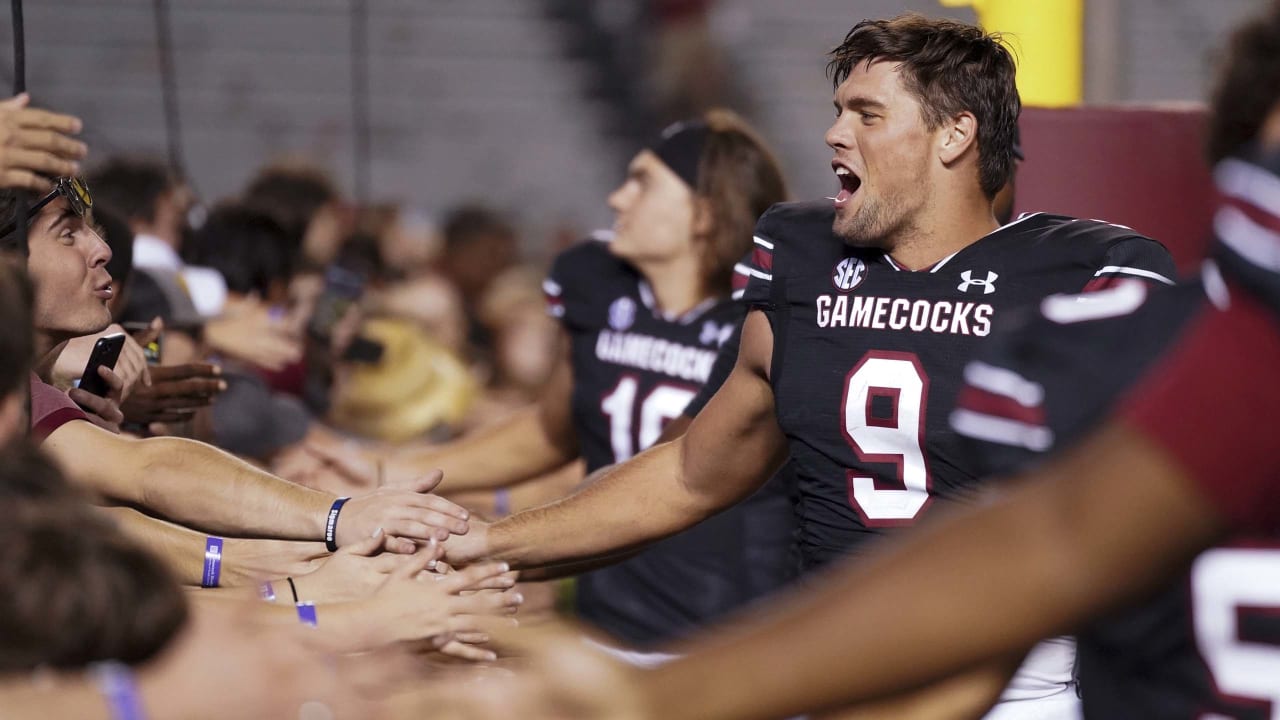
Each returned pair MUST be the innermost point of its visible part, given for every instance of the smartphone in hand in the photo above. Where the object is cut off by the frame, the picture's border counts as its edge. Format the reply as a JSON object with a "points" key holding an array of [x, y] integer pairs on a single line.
{"points": [[105, 352]]}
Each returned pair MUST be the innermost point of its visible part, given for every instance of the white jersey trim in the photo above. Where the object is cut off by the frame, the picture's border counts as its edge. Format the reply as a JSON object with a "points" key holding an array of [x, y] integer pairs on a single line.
{"points": [[1252, 241], [1138, 272], [551, 287], [751, 272], [1001, 430], [762, 242], [1000, 381]]}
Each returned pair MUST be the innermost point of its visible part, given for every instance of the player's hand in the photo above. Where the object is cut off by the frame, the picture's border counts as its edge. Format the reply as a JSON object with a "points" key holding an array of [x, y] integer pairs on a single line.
{"points": [[36, 145], [472, 547], [414, 604], [102, 411], [407, 512], [356, 571], [175, 394]]}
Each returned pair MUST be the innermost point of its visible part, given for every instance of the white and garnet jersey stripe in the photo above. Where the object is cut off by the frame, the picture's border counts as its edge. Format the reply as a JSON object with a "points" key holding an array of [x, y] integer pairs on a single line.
{"points": [[1000, 406], [552, 291], [1108, 276], [1249, 220], [757, 264]]}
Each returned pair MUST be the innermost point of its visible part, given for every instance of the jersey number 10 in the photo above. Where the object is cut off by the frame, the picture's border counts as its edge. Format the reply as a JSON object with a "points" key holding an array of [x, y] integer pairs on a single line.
{"points": [[629, 434]]}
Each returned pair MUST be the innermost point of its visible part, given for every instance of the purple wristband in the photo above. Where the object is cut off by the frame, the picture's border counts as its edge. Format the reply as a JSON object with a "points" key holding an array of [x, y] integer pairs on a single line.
{"points": [[212, 562], [267, 592], [307, 613], [117, 686]]}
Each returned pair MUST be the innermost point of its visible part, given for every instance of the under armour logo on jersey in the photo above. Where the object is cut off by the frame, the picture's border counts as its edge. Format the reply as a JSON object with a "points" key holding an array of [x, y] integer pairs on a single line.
{"points": [[622, 313], [715, 333], [849, 274], [988, 286]]}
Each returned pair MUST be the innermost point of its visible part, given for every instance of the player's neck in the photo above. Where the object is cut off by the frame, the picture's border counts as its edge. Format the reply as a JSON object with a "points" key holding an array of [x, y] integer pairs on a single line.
{"points": [[944, 233], [678, 287]]}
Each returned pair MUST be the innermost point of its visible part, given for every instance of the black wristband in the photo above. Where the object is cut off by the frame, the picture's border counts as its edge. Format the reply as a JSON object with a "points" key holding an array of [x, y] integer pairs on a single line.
{"points": [[331, 524], [293, 589]]}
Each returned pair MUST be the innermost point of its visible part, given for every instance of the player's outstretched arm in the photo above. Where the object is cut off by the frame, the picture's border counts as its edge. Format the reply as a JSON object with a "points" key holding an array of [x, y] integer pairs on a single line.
{"points": [[729, 451], [1106, 521]]}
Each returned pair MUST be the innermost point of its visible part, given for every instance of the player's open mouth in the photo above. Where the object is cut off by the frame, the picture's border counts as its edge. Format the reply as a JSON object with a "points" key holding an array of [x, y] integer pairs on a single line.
{"points": [[849, 183]]}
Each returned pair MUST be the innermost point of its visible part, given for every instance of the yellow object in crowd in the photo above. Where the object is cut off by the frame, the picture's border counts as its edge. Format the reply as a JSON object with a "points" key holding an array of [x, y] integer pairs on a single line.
{"points": [[416, 387], [1047, 37]]}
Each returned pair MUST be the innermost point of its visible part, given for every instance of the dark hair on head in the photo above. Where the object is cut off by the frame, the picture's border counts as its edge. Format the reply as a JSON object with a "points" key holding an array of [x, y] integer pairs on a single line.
{"points": [[949, 67], [1247, 89], [17, 338], [131, 187], [119, 237], [9, 214], [246, 246], [77, 590], [741, 178], [467, 223], [291, 194]]}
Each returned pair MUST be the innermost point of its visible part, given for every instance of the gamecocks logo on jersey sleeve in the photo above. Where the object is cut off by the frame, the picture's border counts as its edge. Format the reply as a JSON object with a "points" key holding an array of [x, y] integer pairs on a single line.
{"points": [[622, 313], [849, 274]]}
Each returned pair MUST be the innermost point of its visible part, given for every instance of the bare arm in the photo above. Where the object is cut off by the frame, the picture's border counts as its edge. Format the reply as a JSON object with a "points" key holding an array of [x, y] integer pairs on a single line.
{"points": [[244, 562], [1106, 521], [525, 445], [189, 482], [963, 697], [732, 448], [199, 486]]}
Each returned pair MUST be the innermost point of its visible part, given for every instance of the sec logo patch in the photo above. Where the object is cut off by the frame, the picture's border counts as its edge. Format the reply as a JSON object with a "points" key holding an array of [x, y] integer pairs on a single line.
{"points": [[848, 274]]}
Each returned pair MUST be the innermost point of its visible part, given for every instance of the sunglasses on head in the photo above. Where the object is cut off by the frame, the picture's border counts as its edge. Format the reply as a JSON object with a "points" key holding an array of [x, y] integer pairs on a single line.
{"points": [[72, 188]]}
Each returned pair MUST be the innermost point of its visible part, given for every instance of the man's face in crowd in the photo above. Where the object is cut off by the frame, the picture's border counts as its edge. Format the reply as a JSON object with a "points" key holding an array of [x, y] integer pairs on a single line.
{"points": [[68, 264], [882, 157]]}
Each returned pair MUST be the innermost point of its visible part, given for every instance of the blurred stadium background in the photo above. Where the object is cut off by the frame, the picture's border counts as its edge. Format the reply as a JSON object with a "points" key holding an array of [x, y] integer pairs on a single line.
{"points": [[532, 106]]}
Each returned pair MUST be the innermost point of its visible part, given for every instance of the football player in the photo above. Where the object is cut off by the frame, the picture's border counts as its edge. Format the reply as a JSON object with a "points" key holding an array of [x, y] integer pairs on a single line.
{"points": [[864, 309]]}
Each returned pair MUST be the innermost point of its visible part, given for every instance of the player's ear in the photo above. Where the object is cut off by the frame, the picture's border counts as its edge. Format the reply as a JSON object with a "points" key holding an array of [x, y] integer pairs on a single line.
{"points": [[957, 135]]}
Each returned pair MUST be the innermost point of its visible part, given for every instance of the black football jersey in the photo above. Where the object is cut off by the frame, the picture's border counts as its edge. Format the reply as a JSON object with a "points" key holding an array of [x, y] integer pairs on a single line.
{"points": [[867, 357], [633, 371], [1195, 369]]}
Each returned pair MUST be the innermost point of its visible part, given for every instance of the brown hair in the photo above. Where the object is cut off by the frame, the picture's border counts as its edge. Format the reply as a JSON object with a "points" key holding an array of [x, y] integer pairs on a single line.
{"points": [[741, 178], [1248, 85], [949, 67], [76, 590], [17, 340]]}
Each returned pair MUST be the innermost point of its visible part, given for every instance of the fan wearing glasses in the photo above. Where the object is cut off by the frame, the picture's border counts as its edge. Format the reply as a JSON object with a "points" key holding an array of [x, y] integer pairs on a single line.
{"points": [[185, 481]]}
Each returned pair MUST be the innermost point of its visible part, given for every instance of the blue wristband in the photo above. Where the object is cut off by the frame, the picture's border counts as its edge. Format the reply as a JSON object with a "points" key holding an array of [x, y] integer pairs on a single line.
{"points": [[331, 524], [212, 562], [307, 613], [121, 693], [502, 502]]}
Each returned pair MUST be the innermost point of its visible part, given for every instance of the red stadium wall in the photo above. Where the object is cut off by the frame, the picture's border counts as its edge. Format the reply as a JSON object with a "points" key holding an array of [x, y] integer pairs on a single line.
{"points": [[1141, 167]]}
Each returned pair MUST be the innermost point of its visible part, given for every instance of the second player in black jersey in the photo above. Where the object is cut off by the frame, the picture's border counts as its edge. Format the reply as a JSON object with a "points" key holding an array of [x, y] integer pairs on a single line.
{"points": [[1208, 645], [635, 370]]}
